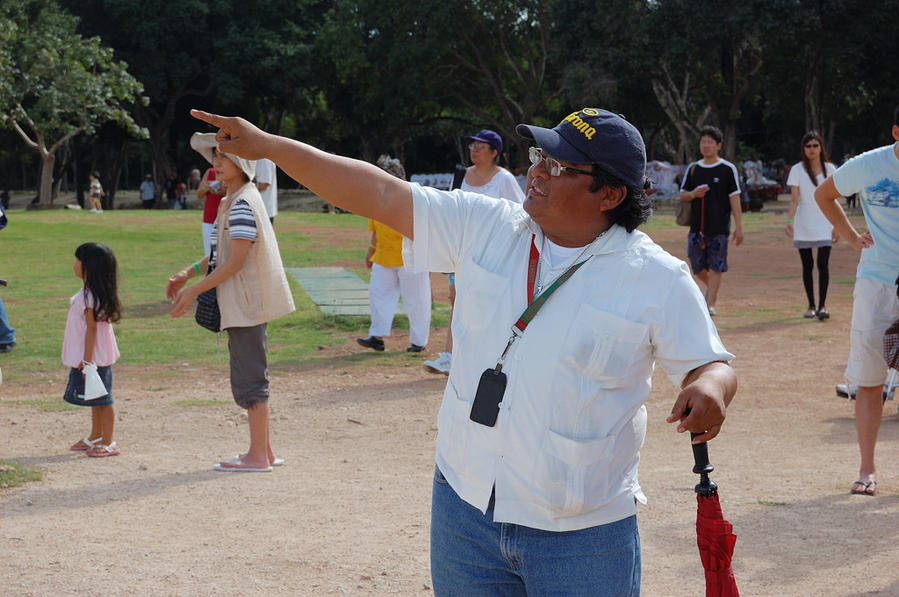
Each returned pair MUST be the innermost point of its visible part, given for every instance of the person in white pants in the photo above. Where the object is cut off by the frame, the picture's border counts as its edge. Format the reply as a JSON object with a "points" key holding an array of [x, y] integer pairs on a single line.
{"points": [[384, 290], [389, 280]]}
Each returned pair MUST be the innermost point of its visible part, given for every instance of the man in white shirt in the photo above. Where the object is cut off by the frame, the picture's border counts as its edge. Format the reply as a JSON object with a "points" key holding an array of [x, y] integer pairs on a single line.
{"points": [[874, 175], [542, 418], [267, 183], [147, 193]]}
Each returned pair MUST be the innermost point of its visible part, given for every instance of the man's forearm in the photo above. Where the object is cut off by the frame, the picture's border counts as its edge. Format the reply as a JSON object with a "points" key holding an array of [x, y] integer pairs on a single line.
{"points": [[354, 185], [737, 210]]}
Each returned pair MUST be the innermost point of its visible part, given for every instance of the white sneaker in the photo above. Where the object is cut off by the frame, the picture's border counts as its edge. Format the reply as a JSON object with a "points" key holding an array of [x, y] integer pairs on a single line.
{"points": [[844, 391], [441, 364]]}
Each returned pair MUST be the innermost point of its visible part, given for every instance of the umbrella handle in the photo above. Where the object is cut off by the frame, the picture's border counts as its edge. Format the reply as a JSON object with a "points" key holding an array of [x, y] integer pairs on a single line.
{"points": [[701, 464], [702, 467]]}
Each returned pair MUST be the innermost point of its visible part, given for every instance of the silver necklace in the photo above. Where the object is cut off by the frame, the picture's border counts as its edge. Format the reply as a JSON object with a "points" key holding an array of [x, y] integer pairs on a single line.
{"points": [[540, 284]]}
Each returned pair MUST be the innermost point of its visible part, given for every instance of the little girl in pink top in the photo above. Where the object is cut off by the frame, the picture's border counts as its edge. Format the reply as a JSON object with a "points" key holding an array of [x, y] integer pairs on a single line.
{"points": [[89, 339]]}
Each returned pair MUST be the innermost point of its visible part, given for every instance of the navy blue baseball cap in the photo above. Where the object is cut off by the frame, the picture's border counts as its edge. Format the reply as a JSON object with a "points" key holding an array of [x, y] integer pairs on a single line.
{"points": [[490, 138], [594, 136]]}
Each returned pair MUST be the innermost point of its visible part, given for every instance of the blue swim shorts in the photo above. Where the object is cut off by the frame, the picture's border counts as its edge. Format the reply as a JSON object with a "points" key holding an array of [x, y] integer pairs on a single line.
{"points": [[707, 252]]}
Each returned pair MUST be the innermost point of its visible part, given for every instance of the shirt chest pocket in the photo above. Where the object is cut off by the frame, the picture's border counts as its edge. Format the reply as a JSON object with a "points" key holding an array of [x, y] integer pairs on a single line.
{"points": [[606, 347], [479, 295]]}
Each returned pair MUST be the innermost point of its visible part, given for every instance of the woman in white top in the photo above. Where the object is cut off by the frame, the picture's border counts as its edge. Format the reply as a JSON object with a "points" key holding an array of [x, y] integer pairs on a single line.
{"points": [[810, 229], [487, 177]]}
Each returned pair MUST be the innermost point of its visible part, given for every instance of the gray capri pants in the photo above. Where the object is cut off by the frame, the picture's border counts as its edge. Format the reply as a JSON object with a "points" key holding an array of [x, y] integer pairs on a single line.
{"points": [[249, 367]]}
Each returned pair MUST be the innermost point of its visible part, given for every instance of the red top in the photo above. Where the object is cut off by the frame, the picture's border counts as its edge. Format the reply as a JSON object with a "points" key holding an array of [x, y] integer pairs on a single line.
{"points": [[211, 203]]}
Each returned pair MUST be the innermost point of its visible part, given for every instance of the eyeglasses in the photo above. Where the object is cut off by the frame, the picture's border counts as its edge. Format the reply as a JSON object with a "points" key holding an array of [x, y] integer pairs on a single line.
{"points": [[478, 145], [552, 165], [811, 145]]}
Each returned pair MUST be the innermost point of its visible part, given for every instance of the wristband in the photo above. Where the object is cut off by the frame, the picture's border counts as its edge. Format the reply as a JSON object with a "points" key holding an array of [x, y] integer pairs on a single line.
{"points": [[692, 196], [197, 268], [790, 221]]}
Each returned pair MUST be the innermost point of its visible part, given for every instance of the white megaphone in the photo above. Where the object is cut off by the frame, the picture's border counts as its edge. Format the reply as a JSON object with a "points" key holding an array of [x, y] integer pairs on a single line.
{"points": [[93, 385]]}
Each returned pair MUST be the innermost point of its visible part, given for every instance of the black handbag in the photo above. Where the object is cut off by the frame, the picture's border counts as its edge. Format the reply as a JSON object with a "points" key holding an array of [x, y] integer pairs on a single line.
{"points": [[207, 314], [683, 210]]}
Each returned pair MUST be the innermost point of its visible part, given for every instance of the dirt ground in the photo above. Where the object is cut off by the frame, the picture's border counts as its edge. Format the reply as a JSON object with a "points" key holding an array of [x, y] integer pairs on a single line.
{"points": [[348, 513]]}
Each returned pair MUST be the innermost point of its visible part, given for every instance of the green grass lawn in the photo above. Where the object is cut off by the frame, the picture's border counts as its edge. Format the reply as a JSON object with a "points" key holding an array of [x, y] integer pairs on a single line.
{"points": [[38, 252]]}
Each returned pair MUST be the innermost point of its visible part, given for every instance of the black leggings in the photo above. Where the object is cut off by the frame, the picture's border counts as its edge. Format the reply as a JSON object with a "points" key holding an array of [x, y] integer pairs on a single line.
{"points": [[808, 264]]}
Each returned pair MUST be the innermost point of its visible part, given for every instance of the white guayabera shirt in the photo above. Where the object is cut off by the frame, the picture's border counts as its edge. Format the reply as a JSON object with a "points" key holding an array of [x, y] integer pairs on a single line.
{"points": [[563, 453]]}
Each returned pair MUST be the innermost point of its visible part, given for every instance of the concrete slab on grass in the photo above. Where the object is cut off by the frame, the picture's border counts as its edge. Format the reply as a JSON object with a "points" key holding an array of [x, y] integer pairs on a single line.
{"points": [[334, 290]]}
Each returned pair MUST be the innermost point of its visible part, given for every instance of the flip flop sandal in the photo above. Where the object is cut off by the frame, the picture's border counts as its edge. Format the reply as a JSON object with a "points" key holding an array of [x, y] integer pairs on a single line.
{"points": [[235, 465], [867, 487], [84, 444], [102, 450], [276, 462]]}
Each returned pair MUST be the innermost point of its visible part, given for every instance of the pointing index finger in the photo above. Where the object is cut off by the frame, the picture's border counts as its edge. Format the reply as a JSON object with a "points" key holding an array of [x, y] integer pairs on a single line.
{"points": [[213, 119]]}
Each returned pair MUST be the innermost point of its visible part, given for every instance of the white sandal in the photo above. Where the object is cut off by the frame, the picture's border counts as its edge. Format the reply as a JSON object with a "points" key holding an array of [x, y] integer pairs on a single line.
{"points": [[88, 444], [102, 450]]}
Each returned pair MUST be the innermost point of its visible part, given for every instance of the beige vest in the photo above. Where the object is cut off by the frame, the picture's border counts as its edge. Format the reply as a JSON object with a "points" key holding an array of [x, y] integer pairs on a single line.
{"points": [[258, 292]]}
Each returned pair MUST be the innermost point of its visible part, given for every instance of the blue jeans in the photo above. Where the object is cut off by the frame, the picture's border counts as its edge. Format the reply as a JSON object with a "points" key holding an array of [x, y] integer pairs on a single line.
{"points": [[7, 334], [472, 556]]}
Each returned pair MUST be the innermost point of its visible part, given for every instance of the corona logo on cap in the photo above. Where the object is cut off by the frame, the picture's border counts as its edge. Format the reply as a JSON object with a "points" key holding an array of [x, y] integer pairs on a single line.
{"points": [[590, 111], [583, 127]]}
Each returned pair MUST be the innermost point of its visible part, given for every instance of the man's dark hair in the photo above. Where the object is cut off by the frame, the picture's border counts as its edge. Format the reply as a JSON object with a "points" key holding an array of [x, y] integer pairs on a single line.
{"points": [[712, 131], [896, 116], [636, 207]]}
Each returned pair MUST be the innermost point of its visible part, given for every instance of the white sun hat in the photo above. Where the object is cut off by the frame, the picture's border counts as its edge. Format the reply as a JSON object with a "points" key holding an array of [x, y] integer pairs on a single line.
{"points": [[203, 143]]}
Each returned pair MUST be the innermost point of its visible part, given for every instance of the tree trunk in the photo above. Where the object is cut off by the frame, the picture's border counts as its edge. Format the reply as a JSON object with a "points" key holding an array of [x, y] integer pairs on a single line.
{"points": [[45, 191], [115, 171], [675, 102], [160, 125], [812, 96], [59, 168], [729, 150], [161, 163]]}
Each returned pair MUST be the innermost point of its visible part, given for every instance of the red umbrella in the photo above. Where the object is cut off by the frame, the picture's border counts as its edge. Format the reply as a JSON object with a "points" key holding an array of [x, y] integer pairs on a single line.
{"points": [[714, 535]]}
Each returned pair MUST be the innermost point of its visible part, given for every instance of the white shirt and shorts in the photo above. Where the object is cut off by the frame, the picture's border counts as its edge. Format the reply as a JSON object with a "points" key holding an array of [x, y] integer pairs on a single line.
{"points": [[874, 175], [564, 451]]}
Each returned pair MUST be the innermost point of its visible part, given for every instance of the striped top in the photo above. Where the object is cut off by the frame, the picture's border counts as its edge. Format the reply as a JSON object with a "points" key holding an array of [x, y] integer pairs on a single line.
{"points": [[240, 224]]}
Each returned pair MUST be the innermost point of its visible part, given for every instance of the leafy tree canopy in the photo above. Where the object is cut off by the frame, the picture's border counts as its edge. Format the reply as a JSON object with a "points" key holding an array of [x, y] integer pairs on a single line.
{"points": [[55, 84]]}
